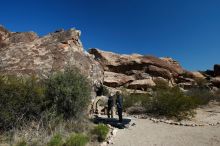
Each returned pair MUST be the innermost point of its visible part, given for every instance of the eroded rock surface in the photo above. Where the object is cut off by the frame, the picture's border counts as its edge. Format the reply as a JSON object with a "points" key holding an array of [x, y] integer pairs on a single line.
{"points": [[27, 54], [136, 71]]}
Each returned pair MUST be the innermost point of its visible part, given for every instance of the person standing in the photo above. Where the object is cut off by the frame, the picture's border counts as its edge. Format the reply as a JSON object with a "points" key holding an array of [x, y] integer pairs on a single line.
{"points": [[110, 105], [119, 105]]}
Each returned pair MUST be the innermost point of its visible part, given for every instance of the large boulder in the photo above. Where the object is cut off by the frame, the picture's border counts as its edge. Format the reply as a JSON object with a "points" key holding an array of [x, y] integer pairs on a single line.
{"points": [[159, 72], [122, 63], [197, 75], [27, 54], [135, 71], [217, 69], [142, 84], [112, 79]]}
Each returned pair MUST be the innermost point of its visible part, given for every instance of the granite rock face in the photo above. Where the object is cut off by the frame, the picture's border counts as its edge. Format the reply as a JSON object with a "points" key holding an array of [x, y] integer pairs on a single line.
{"points": [[27, 54]]}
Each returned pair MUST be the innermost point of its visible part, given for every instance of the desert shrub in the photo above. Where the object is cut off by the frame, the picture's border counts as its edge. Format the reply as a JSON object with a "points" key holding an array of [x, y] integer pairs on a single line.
{"points": [[56, 140], [201, 83], [135, 100], [161, 84], [68, 93], [201, 96], [21, 100], [101, 131], [217, 95], [21, 143], [77, 140], [172, 102]]}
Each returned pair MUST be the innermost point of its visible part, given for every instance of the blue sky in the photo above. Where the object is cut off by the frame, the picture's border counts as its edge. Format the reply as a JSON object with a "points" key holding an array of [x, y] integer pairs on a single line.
{"points": [[186, 30]]}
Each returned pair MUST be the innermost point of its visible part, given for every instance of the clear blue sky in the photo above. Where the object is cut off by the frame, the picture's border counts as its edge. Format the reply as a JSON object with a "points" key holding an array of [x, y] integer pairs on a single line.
{"points": [[186, 30]]}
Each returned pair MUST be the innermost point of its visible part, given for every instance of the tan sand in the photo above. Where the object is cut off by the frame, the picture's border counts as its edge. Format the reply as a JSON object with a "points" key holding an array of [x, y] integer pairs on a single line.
{"points": [[147, 133]]}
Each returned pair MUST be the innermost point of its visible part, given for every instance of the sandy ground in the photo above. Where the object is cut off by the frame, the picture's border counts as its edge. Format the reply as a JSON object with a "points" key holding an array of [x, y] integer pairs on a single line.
{"points": [[147, 133]]}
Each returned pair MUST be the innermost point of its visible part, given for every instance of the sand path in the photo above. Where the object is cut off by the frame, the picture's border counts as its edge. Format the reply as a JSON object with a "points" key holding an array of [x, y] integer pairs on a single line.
{"points": [[148, 133]]}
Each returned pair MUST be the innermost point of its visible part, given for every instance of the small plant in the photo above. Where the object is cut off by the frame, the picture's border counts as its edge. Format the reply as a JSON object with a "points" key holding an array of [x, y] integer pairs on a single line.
{"points": [[56, 140], [217, 95], [77, 140], [101, 131], [135, 100], [21, 143]]}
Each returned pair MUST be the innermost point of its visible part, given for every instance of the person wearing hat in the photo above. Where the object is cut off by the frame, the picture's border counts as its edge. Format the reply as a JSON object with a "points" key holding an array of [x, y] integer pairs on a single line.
{"points": [[110, 105], [119, 105]]}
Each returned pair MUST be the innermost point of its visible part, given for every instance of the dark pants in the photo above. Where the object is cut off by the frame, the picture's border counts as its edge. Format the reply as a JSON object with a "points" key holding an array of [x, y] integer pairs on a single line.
{"points": [[120, 114], [110, 110]]}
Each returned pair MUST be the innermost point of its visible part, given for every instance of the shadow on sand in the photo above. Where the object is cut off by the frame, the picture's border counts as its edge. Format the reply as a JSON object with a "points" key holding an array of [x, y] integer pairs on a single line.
{"points": [[112, 121]]}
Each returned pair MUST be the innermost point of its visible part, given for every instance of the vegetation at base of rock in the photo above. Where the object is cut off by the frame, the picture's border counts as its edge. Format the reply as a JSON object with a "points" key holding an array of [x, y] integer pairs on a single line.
{"points": [[101, 132], [77, 140], [21, 100], [21, 143], [62, 96], [135, 100], [168, 101], [171, 102], [68, 93], [201, 96], [56, 140]]}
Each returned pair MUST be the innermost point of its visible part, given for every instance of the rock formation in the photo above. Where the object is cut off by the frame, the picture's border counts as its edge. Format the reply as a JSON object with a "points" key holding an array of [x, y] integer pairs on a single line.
{"points": [[28, 54], [217, 69], [140, 72], [136, 71], [25, 53]]}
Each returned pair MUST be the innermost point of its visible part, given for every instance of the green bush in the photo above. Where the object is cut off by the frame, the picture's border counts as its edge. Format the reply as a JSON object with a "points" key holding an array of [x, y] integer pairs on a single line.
{"points": [[69, 93], [21, 143], [101, 131], [217, 95], [172, 103], [77, 140], [135, 100], [201, 96], [161, 84], [21, 100], [56, 140]]}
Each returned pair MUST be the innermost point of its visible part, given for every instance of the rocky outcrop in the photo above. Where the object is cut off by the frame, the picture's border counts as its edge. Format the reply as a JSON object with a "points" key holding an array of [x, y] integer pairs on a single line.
{"points": [[135, 71], [197, 75], [142, 84], [27, 54], [217, 69], [112, 79]]}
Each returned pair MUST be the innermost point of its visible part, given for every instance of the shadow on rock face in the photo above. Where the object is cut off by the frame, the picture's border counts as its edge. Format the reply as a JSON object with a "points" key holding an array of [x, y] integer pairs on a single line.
{"points": [[112, 121]]}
